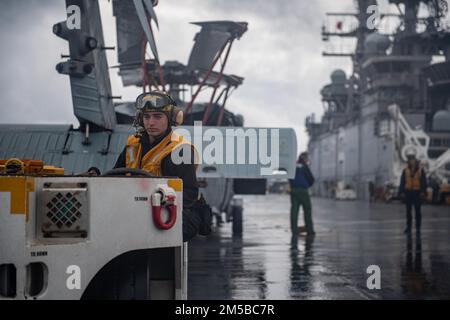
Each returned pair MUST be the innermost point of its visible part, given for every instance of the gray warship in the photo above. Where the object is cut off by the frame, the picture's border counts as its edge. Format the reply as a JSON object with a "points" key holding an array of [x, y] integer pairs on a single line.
{"points": [[395, 102]]}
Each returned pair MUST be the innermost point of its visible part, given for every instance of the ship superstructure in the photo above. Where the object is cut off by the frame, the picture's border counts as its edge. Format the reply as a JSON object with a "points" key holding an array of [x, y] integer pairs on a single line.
{"points": [[399, 73]]}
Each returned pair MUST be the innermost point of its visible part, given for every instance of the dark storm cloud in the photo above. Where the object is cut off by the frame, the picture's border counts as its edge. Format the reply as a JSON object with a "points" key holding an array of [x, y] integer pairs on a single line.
{"points": [[280, 56], [299, 12], [13, 10], [30, 88]]}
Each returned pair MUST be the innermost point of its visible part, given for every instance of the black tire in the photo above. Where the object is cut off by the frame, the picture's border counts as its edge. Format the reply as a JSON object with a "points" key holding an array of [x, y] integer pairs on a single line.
{"points": [[443, 198], [237, 220]]}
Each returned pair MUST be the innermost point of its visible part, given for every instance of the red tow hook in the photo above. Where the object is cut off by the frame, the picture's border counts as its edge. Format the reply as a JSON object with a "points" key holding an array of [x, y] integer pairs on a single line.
{"points": [[156, 212]]}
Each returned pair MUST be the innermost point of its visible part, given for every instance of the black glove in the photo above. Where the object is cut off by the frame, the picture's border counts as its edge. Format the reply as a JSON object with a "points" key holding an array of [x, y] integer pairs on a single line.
{"points": [[94, 171]]}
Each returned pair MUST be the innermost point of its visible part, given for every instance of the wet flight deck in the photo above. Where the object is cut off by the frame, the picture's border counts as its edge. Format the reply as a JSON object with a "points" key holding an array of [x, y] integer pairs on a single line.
{"points": [[264, 263]]}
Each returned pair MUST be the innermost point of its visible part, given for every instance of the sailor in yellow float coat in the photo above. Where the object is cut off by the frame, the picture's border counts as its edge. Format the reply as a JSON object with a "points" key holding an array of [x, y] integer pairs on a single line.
{"points": [[150, 150], [413, 186]]}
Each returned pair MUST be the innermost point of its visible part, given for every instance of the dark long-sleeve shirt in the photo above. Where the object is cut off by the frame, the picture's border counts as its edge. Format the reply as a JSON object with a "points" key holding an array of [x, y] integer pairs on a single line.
{"points": [[186, 172], [303, 177]]}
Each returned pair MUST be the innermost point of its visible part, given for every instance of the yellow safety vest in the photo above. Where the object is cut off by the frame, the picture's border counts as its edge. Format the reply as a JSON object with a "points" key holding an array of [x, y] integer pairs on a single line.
{"points": [[412, 181], [151, 161]]}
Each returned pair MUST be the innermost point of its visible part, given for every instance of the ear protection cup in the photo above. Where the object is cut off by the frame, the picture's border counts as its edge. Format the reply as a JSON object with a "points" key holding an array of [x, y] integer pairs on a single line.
{"points": [[177, 116]]}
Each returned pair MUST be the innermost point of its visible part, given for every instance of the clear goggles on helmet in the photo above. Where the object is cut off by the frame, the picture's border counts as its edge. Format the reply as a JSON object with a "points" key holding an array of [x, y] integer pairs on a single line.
{"points": [[156, 101]]}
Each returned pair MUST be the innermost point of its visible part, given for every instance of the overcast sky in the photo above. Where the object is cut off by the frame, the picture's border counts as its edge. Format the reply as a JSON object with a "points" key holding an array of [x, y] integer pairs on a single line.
{"points": [[279, 57]]}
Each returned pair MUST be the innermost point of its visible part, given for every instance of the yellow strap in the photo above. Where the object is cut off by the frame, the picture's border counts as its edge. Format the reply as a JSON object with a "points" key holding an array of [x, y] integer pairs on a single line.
{"points": [[151, 161]]}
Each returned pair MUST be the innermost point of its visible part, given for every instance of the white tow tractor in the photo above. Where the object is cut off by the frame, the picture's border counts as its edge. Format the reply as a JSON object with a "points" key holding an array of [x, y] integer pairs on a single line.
{"points": [[80, 237]]}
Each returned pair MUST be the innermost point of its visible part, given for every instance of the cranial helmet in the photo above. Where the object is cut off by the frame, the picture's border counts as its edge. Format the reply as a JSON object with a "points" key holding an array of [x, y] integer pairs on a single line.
{"points": [[157, 101]]}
